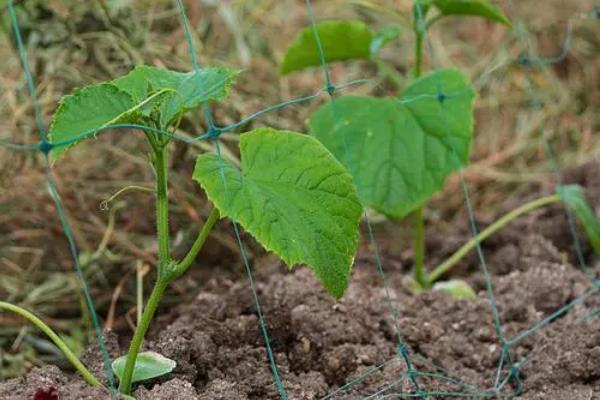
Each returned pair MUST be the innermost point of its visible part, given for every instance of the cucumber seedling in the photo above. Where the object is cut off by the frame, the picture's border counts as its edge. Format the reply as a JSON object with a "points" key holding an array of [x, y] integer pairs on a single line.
{"points": [[290, 192], [400, 150]]}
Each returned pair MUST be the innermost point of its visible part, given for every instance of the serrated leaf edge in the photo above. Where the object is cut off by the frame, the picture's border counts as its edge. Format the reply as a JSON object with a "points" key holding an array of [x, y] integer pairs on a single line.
{"points": [[77, 92], [289, 262]]}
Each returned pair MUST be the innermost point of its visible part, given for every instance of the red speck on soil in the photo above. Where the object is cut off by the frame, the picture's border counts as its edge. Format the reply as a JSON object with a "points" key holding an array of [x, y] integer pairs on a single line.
{"points": [[47, 393]]}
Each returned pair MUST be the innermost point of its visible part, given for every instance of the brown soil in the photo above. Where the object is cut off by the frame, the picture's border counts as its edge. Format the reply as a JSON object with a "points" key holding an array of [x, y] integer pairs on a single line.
{"points": [[320, 344]]}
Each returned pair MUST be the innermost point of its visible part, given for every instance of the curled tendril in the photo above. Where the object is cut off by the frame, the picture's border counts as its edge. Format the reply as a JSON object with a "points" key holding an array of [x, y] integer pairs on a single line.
{"points": [[105, 204]]}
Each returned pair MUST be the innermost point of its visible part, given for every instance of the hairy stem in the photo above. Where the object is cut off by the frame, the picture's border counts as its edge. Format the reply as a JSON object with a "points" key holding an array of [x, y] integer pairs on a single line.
{"points": [[156, 296], [162, 206], [197, 246], [140, 332], [490, 230], [160, 159], [419, 247], [72, 358], [167, 269]]}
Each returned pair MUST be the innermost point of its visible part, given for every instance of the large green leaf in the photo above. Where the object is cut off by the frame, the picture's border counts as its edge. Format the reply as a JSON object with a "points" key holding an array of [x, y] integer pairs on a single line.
{"points": [[148, 365], [294, 197], [478, 8], [574, 197], [400, 151], [185, 90], [341, 40], [88, 109]]}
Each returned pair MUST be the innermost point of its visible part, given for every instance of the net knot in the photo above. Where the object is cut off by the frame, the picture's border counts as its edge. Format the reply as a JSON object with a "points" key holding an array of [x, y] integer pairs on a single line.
{"points": [[441, 97], [45, 146], [214, 132], [524, 60], [330, 89], [403, 350]]}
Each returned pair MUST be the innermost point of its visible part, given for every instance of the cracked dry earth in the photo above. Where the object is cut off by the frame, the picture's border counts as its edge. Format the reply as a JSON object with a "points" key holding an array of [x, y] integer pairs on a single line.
{"points": [[320, 344]]}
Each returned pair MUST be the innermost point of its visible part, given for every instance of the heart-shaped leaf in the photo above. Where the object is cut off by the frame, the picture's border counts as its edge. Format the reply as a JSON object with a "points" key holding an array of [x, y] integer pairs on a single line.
{"points": [[574, 197], [148, 365], [341, 40], [400, 151], [294, 197]]}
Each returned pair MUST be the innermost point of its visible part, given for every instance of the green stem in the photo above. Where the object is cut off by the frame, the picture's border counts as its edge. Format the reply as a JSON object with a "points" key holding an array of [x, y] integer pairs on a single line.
{"points": [[167, 269], [156, 296], [434, 20], [418, 53], [389, 71], [490, 230], [72, 358], [160, 161], [140, 332], [162, 206], [417, 215], [419, 247], [200, 240]]}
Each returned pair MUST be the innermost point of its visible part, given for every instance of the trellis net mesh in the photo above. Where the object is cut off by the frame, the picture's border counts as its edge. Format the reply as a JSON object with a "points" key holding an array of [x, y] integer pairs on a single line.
{"points": [[419, 377]]}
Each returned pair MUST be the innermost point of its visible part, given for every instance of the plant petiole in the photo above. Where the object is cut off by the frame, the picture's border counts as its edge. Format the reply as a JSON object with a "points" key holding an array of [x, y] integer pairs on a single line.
{"points": [[184, 264], [418, 53], [162, 205], [490, 230], [419, 272], [71, 357]]}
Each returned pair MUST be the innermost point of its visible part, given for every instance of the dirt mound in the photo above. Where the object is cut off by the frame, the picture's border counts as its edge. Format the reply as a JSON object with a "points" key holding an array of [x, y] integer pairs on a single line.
{"points": [[320, 344]]}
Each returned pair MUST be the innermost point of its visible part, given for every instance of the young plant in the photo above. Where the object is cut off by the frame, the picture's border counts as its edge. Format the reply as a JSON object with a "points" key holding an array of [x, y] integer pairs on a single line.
{"points": [[290, 193], [400, 150]]}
